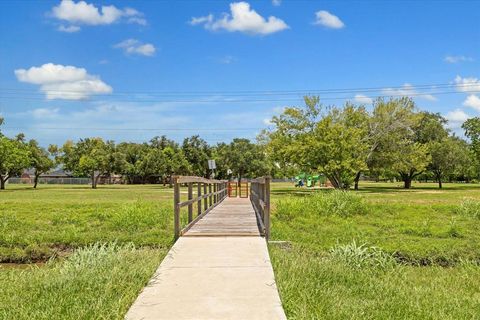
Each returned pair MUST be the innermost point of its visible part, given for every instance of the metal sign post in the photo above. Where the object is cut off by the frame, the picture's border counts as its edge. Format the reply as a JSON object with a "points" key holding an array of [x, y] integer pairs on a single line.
{"points": [[212, 166]]}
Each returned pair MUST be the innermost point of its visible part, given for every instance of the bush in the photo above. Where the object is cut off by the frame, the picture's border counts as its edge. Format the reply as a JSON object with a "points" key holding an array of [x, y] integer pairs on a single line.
{"points": [[340, 203], [361, 256], [469, 207]]}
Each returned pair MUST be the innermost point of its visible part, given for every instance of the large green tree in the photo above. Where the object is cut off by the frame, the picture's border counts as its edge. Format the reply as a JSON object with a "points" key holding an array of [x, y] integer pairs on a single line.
{"points": [[134, 154], [40, 160], [152, 164], [14, 158], [389, 121], [403, 149], [92, 157], [331, 140], [447, 157], [243, 158], [197, 152], [472, 131], [175, 163]]}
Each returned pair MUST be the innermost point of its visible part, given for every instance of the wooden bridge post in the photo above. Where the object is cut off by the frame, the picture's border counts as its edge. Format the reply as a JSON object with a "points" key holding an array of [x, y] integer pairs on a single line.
{"points": [[215, 193], [267, 208], [209, 195], [190, 206], [199, 194], [205, 200], [176, 207]]}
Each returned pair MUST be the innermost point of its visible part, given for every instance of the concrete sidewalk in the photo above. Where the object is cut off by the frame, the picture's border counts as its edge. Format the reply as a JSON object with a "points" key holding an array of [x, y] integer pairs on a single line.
{"points": [[212, 278]]}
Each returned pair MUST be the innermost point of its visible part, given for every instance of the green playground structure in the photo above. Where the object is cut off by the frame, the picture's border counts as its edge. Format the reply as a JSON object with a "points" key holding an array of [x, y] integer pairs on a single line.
{"points": [[310, 180]]}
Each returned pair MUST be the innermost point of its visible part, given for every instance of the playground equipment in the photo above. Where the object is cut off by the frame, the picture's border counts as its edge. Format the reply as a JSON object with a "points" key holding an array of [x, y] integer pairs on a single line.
{"points": [[310, 181]]}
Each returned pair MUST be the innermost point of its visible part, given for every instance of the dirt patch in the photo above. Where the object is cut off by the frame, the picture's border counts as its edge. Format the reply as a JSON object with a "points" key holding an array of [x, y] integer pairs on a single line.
{"points": [[7, 266]]}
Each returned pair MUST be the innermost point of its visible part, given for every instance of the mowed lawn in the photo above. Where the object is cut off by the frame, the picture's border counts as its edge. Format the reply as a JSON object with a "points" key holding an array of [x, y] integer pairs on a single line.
{"points": [[106, 243]]}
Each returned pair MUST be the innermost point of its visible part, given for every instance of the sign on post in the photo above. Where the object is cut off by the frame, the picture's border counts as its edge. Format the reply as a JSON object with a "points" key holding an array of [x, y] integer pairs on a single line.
{"points": [[212, 165]]}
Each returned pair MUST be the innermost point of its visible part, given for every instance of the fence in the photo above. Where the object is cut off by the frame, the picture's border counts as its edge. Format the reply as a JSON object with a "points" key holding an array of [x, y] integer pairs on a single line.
{"points": [[260, 198], [50, 180], [211, 192]]}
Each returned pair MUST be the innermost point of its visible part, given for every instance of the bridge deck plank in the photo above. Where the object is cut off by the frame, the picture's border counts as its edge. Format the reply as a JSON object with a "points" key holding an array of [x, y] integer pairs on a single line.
{"points": [[233, 216]]}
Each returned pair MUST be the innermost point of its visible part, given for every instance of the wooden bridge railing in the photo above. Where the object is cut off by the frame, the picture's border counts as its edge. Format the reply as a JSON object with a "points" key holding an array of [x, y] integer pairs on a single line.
{"points": [[260, 198], [210, 191]]}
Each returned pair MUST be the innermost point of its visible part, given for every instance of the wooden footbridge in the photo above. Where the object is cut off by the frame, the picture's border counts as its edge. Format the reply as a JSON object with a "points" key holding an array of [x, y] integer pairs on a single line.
{"points": [[245, 211], [219, 267]]}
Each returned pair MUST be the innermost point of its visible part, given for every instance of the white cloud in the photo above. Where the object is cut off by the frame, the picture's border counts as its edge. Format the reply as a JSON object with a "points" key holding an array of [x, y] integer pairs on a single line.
{"points": [[200, 20], [456, 118], [457, 59], [69, 29], [227, 59], [63, 82], [276, 3], [78, 13], [133, 46], [242, 19], [328, 20], [467, 84], [363, 99], [409, 91], [472, 101], [42, 113]]}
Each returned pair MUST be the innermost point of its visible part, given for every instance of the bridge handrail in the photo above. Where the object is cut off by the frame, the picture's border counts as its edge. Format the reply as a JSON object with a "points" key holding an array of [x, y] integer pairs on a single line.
{"points": [[260, 198], [217, 192]]}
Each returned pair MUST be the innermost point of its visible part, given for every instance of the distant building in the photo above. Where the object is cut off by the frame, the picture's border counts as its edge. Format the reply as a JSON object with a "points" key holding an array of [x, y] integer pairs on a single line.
{"points": [[29, 175]]}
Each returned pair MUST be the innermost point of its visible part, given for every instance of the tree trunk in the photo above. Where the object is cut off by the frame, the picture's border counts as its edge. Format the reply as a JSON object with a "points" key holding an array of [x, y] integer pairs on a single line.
{"points": [[334, 182], [35, 181], [2, 183], [407, 182], [96, 180], [438, 176], [94, 186], [357, 179]]}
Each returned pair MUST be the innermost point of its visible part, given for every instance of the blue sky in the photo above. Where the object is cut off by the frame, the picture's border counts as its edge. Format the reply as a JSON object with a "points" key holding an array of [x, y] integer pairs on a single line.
{"points": [[130, 70]]}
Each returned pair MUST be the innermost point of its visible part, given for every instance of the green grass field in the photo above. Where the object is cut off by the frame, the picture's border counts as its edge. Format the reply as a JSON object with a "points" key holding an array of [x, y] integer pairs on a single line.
{"points": [[104, 245], [434, 245]]}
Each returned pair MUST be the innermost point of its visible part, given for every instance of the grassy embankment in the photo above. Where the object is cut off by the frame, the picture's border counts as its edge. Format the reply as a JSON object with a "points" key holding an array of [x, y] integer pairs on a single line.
{"points": [[96, 281], [383, 253]]}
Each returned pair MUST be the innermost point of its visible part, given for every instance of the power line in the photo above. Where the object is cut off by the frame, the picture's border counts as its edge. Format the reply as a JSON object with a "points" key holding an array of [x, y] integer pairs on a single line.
{"points": [[261, 92], [134, 129], [203, 101]]}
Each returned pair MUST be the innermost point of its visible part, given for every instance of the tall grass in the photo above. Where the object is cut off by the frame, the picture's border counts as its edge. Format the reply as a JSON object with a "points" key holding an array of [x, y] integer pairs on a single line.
{"points": [[469, 207], [338, 203], [97, 282], [362, 256]]}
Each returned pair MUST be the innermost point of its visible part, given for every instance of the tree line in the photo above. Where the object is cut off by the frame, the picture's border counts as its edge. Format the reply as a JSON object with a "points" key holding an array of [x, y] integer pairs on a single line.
{"points": [[393, 140], [155, 161]]}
